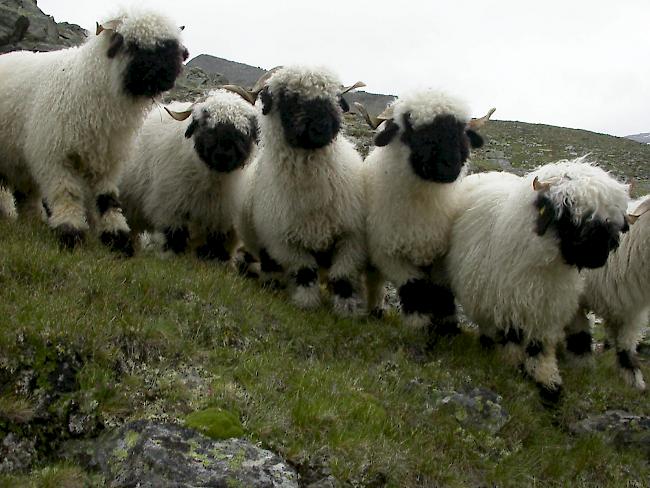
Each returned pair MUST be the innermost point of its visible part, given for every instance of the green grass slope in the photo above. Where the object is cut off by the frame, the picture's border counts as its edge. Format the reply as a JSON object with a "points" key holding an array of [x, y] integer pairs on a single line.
{"points": [[162, 338]]}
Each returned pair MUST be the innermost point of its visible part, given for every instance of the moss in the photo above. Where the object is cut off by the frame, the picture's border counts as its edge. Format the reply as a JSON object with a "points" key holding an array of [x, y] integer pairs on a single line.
{"points": [[131, 439], [215, 423]]}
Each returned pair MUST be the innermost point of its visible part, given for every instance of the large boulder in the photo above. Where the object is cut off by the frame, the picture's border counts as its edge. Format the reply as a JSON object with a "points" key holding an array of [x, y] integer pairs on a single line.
{"points": [[23, 26]]}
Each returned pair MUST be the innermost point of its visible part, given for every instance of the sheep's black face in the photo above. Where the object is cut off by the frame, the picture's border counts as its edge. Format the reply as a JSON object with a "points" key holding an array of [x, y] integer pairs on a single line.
{"points": [[151, 71], [584, 245], [438, 149], [308, 124], [223, 147]]}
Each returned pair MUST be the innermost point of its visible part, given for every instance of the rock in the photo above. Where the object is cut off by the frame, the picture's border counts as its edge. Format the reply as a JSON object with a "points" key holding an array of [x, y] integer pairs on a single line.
{"points": [[478, 408], [151, 455], [623, 429], [16, 454], [24, 26], [192, 84]]}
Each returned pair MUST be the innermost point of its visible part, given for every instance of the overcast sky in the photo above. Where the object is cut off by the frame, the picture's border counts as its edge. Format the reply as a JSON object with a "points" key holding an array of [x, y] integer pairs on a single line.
{"points": [[571, 63]]}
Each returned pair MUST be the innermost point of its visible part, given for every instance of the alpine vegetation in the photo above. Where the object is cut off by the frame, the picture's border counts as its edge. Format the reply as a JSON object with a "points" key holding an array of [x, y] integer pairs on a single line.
{"points": [[516, 251], [69, 118], [302, 198], [411, 191], [620, 293], [183, 173]]}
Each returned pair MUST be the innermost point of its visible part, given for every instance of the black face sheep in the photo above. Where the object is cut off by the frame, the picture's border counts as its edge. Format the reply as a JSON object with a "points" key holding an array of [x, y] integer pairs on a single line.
{"points": [[182, 175], [68, 119], [301, 208], [516, 251], [410, 183], [620, 293]]}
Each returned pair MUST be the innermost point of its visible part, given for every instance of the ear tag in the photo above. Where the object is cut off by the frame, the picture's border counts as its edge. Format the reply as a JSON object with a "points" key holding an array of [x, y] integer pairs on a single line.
{"points": [[542, 210]]}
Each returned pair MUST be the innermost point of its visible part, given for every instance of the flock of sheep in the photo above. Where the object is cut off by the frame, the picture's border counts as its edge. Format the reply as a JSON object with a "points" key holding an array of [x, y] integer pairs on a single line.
{"points": [[264, 179]]}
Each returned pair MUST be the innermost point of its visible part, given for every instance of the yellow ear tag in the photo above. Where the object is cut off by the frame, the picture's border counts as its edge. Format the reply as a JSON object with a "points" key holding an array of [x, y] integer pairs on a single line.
{"points": [[541, 210]]}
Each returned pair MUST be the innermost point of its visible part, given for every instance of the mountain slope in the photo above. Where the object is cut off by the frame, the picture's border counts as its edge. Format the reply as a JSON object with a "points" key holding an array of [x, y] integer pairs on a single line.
{"points": [[644, 137]]}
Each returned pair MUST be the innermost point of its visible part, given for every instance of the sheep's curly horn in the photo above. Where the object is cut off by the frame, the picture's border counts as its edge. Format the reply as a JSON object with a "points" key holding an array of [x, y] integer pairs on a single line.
{"points": [[249, 96], [478, 123], [374, 122], [111, 25], [541, 185], [633, 216], [180, 116], [358, 84], [261, 82]]}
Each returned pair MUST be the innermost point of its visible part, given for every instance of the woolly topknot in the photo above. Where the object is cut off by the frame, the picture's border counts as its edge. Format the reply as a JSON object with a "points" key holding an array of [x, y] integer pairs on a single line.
{"points": [[585, 188], [145, 27], [424, 106], [308, 82], [224, 106]]}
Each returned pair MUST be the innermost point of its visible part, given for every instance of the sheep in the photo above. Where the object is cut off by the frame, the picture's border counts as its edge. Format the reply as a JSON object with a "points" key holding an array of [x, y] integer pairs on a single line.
{"points": [[620, 293], [69, 118], [516, 250], [411, 185], [181, 177], [301, 207]]}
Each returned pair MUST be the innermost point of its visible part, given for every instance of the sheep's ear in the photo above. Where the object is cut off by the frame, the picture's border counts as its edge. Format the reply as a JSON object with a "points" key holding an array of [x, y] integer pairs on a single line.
{"points": [[545, 215], [388, 134], [345, 106], [475, 139], [117, 41], [191, 128], [267, 100]]}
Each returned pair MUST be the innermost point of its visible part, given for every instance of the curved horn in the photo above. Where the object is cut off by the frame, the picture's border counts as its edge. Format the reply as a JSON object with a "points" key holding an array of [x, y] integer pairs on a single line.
{"points": [[633, 216], [249, 96], [261, 82], [374, 122], [180, 116], [358, 84], [541, 185], [111, 25], [478, 123]]}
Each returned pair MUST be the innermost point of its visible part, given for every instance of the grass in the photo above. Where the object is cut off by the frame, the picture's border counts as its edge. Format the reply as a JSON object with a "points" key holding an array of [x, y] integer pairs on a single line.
{"points": [[162, 338]]}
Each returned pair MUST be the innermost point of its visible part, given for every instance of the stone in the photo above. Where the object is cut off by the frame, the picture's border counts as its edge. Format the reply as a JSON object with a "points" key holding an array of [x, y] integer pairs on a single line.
{"points": [[155, 455], [623, 429], [478, 408]]}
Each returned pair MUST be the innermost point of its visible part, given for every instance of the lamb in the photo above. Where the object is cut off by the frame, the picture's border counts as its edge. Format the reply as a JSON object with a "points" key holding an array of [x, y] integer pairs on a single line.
{"points": [[517, 248], [302, 197], [620, 293], [69, 118], [411, 189], [181, 177]]}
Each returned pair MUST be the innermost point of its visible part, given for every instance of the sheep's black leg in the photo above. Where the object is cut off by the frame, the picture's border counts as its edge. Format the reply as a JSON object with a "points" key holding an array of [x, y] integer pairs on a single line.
{"points": [[215, 247], [443, 309], [176, 239], [541, 366], [579, 343], [115, 233]]}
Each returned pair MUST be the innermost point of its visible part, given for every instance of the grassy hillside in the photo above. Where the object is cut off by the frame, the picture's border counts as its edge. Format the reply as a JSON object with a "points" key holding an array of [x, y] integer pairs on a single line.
{"points": [[112, 339]]}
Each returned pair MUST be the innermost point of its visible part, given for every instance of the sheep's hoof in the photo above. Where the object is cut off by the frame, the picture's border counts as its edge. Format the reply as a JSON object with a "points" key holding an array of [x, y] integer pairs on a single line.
{"points": [[486, 342], [347, 307], [69, 236], [447, 328], [119, 241], [377, 313], [550, 394], [207, 252], [634, 378]]}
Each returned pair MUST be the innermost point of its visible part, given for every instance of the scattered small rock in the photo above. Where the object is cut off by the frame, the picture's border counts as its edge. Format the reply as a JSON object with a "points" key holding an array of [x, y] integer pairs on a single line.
{"points": [[478, 408], [152, 455], [623, 429]]}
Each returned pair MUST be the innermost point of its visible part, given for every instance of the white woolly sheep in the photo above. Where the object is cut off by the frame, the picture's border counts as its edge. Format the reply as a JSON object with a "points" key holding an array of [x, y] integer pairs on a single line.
{"points": [[302, 201], [411, 179], [516, 250], [181, 177], [620, 293], [68, 119]]}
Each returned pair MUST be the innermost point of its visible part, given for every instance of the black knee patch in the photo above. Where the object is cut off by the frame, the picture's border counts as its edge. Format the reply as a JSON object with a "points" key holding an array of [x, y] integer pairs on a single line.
{"points": [[486, 341], [176, 239], [416, 296], [268, 264], [442, 304], [20, 197], [306, 276], [324, 258], [214, 248], [106, 202], [69, 237], [534, 348], [119, 241], [579, 343], [514, 335], [628, 360], [342, 288], [46, 207], [550, 396]]}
